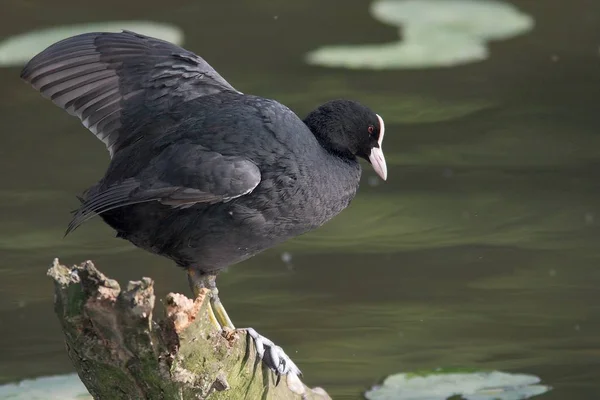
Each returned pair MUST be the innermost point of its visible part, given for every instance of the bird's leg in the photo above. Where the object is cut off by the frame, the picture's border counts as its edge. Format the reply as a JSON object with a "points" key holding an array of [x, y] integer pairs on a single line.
{"points": [[272, 355], [197, 283], [219, 310], [216, 312]]}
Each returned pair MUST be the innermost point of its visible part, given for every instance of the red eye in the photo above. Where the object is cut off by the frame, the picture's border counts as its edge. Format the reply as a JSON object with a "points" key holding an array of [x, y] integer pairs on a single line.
{"points": [[371, 129]]}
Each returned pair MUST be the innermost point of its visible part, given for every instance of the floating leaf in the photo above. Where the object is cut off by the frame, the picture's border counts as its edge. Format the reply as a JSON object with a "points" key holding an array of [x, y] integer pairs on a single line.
{"points": [[60, 387], [17, 50], [435, 33], [458, 384]]}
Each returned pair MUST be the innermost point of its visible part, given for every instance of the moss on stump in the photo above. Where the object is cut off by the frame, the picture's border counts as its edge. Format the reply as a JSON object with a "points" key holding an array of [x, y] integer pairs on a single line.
{"points": [[121, 352]]}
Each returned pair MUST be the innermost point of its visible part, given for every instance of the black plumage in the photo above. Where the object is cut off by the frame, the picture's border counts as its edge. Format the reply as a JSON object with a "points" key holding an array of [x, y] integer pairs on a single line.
{"points": [[201, 173]]}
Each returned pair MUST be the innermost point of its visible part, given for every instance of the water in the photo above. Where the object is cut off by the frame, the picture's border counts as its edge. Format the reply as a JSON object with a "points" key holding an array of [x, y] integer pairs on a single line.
{"points": [[480, 250]]}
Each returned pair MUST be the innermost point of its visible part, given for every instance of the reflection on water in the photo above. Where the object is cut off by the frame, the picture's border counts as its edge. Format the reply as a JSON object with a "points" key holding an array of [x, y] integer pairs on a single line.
{"points": [[480, 250]]}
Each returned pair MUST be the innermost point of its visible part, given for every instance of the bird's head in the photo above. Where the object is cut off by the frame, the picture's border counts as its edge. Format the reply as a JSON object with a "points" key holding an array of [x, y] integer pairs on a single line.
{"points": [[350, 129]]}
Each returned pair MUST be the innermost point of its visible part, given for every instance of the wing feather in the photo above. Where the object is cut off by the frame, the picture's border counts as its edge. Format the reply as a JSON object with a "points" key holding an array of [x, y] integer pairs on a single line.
{"points": [[103, 78], [114, 196], [203, 177]]}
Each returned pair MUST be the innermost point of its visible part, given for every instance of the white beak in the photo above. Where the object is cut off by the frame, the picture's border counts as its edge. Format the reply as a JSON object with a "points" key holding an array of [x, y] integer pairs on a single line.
{"points": [[376, 158]]}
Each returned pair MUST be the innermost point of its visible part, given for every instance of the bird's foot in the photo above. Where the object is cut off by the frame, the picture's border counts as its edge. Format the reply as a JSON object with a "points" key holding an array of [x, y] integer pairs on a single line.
{"points": [[272, 355]]}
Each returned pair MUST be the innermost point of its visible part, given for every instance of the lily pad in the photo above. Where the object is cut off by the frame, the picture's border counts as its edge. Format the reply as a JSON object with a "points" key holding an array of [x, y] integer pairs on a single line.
{"points": [[60, 387], [17, 50], [458, 385], [435, 33]]}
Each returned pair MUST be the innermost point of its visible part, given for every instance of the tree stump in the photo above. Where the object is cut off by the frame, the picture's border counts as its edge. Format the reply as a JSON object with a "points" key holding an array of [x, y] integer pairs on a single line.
{"points": [[121, 352]]}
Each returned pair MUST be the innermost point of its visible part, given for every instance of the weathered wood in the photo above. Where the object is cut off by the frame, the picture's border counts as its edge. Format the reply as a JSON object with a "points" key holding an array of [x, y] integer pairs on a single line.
{"points": [[121, 352]]}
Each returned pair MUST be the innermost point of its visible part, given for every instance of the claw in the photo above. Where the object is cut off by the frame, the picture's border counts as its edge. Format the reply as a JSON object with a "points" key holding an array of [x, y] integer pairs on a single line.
{"points": [[260, 344], [272, 355]]}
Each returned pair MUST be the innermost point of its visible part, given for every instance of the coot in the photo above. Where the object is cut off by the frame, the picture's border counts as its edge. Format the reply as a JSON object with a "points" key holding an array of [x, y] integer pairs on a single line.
{"points": [[201, 173]]}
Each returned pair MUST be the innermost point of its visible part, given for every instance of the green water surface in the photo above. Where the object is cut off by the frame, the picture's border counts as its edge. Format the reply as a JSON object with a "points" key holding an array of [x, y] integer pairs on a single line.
{"points": [[480, 251]]}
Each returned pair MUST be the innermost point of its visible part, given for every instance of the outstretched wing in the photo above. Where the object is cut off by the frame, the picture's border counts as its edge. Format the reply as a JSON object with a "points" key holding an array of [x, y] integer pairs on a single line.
{"points": [[103, 78], [181, 177]]}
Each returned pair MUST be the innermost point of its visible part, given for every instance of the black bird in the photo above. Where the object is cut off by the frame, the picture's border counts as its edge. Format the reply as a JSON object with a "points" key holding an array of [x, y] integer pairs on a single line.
{"points": [[201, 173]]}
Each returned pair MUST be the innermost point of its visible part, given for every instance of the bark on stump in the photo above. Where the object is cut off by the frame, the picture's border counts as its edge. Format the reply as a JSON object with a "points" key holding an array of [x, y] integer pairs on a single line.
{"points": [[120, 352]]}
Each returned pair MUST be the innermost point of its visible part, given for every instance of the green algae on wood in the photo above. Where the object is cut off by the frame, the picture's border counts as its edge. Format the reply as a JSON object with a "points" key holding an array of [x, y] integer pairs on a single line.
{"points": [[121, 352]]}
